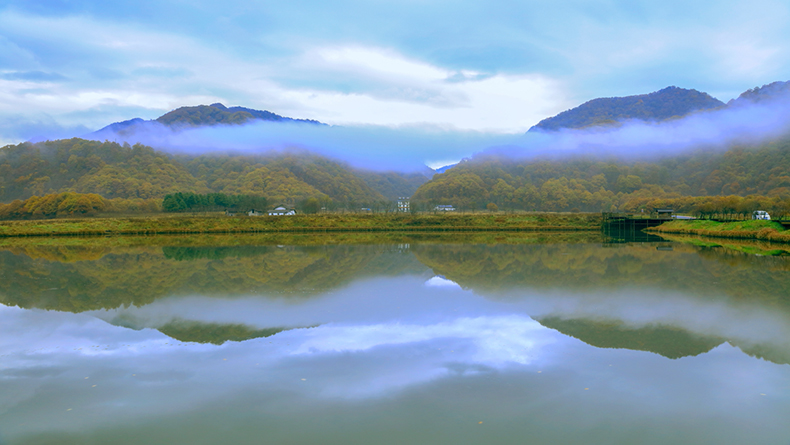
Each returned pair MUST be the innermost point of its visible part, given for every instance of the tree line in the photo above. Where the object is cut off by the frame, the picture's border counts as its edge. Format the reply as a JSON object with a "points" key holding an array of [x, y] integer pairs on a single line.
{"points": [[595, 185], [115, 170], [75, 204], [196, 202]]}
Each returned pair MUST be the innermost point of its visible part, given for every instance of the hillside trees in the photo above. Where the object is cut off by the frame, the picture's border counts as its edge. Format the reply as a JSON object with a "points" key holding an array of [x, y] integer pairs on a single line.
{"points": [[664, 104], [194, 202], [106, 168], [605, 185], [138, 172], [74, 204]]}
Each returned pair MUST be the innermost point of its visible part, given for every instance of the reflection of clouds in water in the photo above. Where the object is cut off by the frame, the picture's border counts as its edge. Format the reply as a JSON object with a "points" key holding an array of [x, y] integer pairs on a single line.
{"points": [[364, 302], [440, 281], [147, 374], [413, 300], [393, 356], [141, 373], [488, 341], [494, 341], [746, 321]]}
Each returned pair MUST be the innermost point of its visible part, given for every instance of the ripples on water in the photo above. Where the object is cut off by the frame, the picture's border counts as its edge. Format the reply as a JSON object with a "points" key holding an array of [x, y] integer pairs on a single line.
{"points": [[516, 339]]}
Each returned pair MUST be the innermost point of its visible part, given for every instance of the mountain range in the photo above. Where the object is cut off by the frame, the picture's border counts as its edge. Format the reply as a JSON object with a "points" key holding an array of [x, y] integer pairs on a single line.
{"points": [[196, 116], [123, 171], [671, 102], [668, 103], [128, 171]]}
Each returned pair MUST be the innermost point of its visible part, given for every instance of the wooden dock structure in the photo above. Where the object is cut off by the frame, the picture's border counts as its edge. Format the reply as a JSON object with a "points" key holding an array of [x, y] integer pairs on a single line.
{"points": [[624, 226], [623, 221]]}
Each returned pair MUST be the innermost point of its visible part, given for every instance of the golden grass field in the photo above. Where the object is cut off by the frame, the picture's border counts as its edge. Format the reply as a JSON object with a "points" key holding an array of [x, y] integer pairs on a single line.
{"points": [[218, 224]]}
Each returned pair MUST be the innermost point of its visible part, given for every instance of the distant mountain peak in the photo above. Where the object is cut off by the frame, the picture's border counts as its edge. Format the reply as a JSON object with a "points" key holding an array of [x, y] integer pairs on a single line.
{"points": [[123, 125], [772, 91], [201, 115], [218, 114], [660, 105]]}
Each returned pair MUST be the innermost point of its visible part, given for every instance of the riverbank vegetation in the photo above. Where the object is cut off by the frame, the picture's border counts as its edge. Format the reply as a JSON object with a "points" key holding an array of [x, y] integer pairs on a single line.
{"points": [[748, 229], [748, 246], [182, 224]]}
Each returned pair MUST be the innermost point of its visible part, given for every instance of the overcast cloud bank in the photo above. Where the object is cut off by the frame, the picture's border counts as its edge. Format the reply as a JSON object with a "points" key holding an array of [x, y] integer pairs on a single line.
{"points": [[408, 148]]}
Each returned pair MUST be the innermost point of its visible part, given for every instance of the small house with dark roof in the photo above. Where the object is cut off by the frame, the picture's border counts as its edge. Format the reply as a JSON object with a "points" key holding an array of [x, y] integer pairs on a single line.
{"points": [[665, 213]]}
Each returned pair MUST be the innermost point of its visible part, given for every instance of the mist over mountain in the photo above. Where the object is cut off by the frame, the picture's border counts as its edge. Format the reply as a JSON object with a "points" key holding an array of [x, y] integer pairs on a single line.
{"points": [[740, 149], [114, 170], [591, 183], [661, 105]]}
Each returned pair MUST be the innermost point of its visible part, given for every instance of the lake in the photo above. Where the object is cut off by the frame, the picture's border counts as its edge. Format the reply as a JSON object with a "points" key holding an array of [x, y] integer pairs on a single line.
{"points": [[512, 338]]}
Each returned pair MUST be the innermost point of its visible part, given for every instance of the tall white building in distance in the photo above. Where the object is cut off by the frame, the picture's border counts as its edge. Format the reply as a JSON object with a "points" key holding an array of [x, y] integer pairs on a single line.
{"points": [[403, 204]]}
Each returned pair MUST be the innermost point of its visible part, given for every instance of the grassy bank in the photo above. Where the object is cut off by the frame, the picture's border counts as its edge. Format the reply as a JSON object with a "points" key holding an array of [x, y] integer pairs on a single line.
{"points": [[749, 246], [499, 222], [751, 229]]}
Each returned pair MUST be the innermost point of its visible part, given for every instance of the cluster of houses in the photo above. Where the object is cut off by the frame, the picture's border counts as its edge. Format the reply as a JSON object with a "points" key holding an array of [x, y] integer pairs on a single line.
{"points": [[280, 210], [283, 210]]}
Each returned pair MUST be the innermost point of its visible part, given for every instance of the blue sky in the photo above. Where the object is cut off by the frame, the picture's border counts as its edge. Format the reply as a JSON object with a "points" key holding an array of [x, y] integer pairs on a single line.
{"points": [[493, 67]]}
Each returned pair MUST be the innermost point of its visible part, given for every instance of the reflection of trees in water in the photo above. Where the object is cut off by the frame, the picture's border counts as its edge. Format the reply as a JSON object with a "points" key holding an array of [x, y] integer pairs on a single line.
{"points": [[689, 269], [706, 273], [79, 278], [734, 258], [669, 341], [138, 276], [214, 333]]}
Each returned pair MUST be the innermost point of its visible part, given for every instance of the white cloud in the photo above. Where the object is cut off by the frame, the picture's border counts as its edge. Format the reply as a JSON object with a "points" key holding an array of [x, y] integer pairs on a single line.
{"points": [[405, 90], [438, 281], [387, 62]]}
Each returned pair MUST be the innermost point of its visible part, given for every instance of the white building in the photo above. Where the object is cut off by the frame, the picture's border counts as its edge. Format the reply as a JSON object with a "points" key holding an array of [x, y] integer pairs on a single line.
{"points": [[444, 208], [281, 210], [403, 204]]}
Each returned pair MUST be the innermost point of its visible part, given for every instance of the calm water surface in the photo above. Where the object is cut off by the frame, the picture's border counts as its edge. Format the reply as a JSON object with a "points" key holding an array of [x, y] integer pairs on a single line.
{"points": [[434, 340]]}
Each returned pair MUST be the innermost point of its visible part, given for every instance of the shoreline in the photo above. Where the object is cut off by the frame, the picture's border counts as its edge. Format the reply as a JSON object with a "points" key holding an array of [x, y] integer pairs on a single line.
{"points": [[752, 230], [196, 225]]}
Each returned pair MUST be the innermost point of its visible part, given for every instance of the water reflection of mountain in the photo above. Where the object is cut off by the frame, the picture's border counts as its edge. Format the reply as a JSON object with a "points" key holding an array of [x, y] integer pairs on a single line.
{"points": [[669, 341], [82, 278], [688, 269], [200, 332], [665, 340], [140, 275]]}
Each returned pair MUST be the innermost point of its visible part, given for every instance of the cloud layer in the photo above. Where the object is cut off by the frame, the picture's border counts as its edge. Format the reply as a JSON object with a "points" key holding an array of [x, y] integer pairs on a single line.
{"points": [[497, 67], [409, 148]]}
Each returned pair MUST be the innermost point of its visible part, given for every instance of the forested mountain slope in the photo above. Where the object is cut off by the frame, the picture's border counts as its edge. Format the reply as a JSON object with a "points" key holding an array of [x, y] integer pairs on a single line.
{"points": [[220, 114], [766, 93], [201, 115], [594, 185], [123, 171], [660, 105]]}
